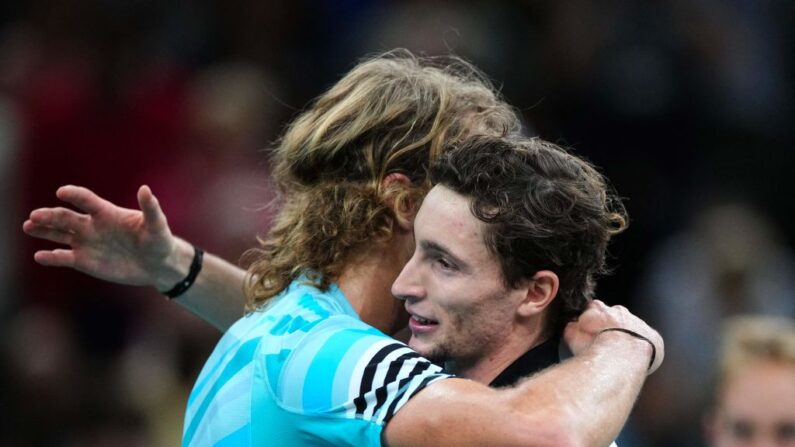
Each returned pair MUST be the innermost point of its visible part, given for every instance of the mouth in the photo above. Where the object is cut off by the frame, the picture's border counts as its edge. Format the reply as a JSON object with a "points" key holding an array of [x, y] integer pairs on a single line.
{"points": [[420, 325]]}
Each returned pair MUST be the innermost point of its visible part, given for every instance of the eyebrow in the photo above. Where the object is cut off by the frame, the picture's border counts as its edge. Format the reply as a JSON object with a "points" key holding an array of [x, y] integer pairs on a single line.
{"points": [[436, 248]]}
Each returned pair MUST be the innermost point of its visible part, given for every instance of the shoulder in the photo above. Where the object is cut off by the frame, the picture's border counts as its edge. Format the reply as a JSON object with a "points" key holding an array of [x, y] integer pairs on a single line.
{"points": [[352, 370]]}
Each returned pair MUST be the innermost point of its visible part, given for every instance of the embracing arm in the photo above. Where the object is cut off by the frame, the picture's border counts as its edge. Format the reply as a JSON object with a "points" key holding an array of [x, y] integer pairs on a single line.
{"points": [[135, 247], [581, 402]]}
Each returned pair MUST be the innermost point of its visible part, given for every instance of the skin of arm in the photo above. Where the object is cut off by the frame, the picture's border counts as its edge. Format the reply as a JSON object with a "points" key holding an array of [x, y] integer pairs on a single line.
{"points": [[217, 294], [135, 247], [581, 402]]}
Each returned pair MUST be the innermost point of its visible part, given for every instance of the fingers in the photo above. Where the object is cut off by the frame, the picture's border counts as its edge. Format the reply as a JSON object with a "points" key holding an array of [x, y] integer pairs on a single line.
{"points": [[82, 198], [55, 258], [59, 218], [153, 214], [597, 304], [598, 316], [47, 233]]}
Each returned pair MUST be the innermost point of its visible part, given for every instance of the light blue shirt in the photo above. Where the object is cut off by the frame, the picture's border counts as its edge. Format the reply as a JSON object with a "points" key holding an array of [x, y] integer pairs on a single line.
{"points": [[306, 371]]}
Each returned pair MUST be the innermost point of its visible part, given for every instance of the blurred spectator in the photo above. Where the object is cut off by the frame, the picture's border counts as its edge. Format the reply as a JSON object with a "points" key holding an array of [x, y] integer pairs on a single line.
{"points": [[218, 193], [754, 392], [93, 109], [730, 261]]}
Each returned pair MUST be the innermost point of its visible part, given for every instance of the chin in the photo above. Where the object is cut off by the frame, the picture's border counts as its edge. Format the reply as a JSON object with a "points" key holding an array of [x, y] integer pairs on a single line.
{"points": [[418, 346], [432, 353]]}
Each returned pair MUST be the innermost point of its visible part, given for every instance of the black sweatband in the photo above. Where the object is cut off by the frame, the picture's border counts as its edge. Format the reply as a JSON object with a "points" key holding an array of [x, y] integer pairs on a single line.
{"points": [[195, 268], [636, 335]]}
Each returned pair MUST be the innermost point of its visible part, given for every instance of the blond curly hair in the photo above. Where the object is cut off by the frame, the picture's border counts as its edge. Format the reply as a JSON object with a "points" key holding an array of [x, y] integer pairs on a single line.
{"points": [[392, 113]]}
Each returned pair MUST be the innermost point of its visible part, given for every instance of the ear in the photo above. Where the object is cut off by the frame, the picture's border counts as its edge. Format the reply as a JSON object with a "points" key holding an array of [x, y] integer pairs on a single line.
{"points": [[396, 188], [541, 290]]}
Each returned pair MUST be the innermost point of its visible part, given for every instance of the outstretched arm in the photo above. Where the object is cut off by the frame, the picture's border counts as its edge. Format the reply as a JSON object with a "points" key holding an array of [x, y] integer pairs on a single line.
{"points": [[134, 247], [581, 402]]}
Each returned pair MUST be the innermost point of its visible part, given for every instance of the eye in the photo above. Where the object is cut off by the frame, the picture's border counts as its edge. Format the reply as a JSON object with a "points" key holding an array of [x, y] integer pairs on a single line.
{"points": [[785, 432], [445, 264]]}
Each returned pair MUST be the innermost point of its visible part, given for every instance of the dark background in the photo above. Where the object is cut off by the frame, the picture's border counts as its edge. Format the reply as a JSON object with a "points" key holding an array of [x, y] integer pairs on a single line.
{"points": [[685, 105]]}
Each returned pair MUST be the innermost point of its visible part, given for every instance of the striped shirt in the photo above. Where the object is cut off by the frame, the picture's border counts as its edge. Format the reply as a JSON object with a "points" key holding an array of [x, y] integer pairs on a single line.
{"points": [[305, 371]]}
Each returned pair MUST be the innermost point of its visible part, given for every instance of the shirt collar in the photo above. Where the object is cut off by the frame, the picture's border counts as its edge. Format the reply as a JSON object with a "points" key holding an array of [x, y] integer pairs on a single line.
{"points": [[542, 356]]}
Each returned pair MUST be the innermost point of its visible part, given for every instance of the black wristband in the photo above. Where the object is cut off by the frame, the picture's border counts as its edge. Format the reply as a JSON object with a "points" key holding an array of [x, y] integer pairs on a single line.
{"points": [[636, 335], [195, 268]]}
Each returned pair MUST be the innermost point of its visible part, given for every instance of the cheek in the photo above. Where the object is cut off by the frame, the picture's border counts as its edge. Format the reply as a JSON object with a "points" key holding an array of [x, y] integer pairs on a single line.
{"points": [[470, 309], [458, 321], [478, 320]]}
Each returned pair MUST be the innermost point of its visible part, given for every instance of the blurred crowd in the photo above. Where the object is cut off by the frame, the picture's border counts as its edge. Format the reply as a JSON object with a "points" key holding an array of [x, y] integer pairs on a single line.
{"points": [[687, 106]]}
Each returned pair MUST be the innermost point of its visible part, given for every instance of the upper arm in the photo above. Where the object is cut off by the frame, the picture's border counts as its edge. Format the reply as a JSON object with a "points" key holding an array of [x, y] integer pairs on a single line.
{"points": [[464, 413]]}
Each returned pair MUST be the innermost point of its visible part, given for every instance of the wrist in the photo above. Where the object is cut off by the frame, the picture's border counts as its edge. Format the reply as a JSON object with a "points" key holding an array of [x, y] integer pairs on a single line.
{"points": [[175, 267], [641, 345]]}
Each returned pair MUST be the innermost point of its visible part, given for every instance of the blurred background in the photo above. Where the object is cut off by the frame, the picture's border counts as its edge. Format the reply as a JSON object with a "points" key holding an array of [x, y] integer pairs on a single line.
{"points": [[687, 106]]}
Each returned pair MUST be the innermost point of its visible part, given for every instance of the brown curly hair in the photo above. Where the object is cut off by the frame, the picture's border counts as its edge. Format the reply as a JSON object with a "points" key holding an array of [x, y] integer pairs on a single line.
{"points": [[545, 209], [391, 113]]}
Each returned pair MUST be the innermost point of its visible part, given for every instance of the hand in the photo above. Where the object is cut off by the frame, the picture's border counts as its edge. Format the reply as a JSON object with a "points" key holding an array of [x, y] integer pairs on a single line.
{"points": [[580, 334], [106, 241]]}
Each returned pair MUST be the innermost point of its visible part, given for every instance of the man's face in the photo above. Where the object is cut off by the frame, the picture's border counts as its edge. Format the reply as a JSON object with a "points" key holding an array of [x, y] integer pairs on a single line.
{"points": [[757, 408], [453, 286]]}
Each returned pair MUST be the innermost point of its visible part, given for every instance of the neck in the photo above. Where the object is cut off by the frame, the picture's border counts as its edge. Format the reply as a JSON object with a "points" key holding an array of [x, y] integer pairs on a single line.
{"points": [[524, 337], [367, 283]]}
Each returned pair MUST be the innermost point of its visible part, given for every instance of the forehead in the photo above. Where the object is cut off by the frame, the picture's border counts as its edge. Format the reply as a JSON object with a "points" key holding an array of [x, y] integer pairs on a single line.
{"points": [[762, 390], [445, 218]]}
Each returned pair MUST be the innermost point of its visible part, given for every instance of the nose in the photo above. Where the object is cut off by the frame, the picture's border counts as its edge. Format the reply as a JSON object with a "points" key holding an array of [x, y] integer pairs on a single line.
{"points": [[407, 286]]}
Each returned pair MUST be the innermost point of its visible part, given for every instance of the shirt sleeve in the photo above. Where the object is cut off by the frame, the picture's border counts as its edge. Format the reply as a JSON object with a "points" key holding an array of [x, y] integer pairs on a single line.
{"points": [[388, 377], [347, 369]]}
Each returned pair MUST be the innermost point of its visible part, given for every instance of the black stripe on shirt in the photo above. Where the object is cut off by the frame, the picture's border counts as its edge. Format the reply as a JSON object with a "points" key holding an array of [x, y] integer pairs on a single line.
{"points": [[391, 376], [419, 368], [369, 375], [422, 385]]}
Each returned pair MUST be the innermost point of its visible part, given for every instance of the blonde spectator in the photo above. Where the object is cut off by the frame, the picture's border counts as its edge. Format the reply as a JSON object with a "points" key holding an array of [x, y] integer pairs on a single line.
{"points": [[754, 401]]}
